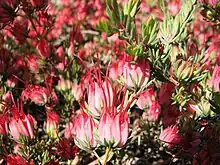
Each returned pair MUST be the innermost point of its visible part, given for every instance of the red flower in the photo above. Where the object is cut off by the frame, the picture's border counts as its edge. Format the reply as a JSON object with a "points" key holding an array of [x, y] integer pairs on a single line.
{"points": [[170, 136], [37, 94], [17, 160], [22, 124], [215, 81], [113, 129], [43, 48], [136, 75]]}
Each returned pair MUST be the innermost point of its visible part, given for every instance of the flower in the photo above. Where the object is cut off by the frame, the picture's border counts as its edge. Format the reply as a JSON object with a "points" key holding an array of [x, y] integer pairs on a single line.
{"points": [[51, 124], [84, 132], [21, 124], [69, 130], [3, 124], [153, 111], [215, 81], [113, 129], [136, 75], [100, 95], [17, 160], [43, 48], [146, 98], [174, 7], [36, 93], [170, 136]]}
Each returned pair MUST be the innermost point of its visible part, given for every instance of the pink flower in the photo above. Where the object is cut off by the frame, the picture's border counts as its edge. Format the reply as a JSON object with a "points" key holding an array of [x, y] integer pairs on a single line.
{"points": [[95, 99], [36, 93], [113, 129], [84, 132], [174, 7], [146, 98], [77, 91], [215, 81], [136, 75], [17, 160], [51, 125], [21, 124], [69, 130], [170, 136]]}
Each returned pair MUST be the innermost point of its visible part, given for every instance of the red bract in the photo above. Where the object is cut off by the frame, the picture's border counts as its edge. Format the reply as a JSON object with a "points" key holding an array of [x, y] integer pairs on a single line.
{"points": [[43, 48], [17, 160], [37, 94], [84, 132], [7, 10], [21, 124], [215, 81], [170, 136], [136, 75], [51, 124], [113, 129]]}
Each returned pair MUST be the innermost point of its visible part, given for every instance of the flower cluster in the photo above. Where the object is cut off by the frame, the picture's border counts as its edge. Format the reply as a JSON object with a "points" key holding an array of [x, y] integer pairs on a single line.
{"points": [[119, 82]]}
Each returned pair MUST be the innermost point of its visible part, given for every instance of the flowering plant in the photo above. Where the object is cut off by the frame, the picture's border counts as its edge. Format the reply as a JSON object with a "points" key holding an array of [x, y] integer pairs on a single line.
{"points": [[109, 82]]}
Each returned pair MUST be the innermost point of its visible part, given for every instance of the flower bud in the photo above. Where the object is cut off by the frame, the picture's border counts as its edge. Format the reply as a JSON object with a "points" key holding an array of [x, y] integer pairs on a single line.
{"points": [[170, 136], [51, 125]]}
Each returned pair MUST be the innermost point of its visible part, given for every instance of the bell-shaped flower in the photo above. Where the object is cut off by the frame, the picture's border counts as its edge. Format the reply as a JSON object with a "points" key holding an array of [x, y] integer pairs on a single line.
{"points": [[136, 75], [21, 124], [113, 129], [84, 132]]}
